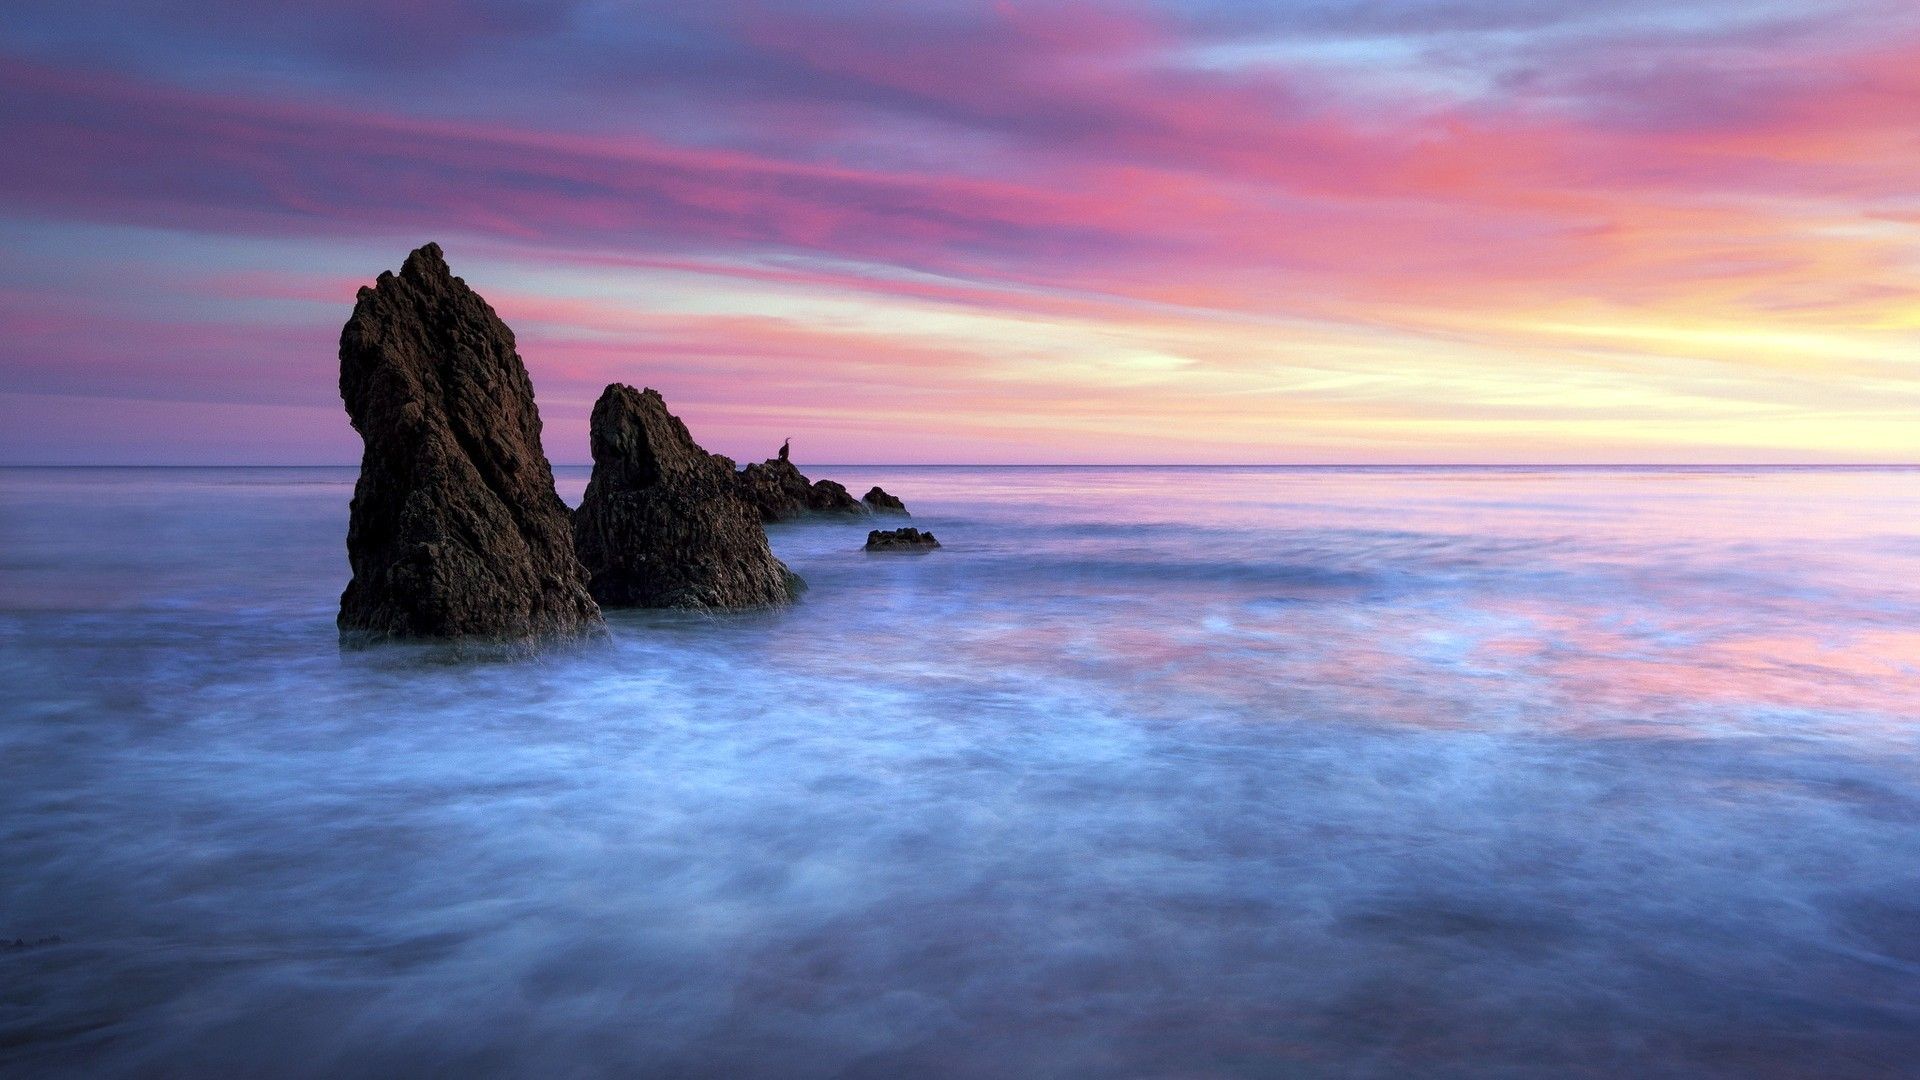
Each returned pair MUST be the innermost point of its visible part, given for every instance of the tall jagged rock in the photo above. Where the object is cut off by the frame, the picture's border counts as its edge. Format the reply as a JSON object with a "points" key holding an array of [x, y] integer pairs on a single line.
{"points": [[662, 523], [456, 529], [779, 492]]}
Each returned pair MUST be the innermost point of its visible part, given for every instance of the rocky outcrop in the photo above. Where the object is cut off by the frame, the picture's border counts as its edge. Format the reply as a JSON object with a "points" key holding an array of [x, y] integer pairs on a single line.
{"points": [[901, 540], [880, 502], [832, 497], [663, 524], [455, 528], [777, 489]]}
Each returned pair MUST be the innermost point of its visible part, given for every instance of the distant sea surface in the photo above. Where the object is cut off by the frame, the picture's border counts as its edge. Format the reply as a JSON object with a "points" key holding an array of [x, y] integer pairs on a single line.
{"points": [[1231, 772]]}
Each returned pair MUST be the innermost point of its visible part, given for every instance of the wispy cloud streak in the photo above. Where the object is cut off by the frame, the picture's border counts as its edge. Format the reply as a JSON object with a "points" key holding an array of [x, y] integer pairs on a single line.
{"points": [[1403, 231]]}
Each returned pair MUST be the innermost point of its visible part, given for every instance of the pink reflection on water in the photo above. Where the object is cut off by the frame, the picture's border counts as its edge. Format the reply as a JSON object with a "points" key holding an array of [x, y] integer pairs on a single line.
{"points": [[1654, 603]]}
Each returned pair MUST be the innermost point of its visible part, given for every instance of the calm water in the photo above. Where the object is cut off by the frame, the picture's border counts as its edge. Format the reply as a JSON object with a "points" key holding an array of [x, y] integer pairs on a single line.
{"points": [[1178, 773]]}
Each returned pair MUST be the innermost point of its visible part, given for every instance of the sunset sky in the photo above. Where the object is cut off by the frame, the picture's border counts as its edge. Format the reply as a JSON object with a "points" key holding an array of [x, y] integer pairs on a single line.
{"points": [[1293, 231]]}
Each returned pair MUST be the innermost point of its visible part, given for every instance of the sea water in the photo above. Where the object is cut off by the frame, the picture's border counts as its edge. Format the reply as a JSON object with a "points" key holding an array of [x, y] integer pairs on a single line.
{"points": [[1147, 772]]}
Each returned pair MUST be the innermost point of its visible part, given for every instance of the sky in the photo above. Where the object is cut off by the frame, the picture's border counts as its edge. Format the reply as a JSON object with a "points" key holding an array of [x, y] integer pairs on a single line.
{"points": [[1202, 231]]}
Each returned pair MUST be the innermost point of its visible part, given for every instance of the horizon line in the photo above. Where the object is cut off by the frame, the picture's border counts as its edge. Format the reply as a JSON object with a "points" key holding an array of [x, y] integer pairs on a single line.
{"points": [[1091, 465]]}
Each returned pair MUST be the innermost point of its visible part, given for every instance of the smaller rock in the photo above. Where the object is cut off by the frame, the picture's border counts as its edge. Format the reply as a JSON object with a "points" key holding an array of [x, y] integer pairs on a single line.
{"points": [[780, 492], [661, 524], [908, 539], [832, 497], [882, 503]]}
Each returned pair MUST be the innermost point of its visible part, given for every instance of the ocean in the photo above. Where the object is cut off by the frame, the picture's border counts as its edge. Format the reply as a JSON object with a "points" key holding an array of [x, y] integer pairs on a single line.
{"points": [[1165, 772]]}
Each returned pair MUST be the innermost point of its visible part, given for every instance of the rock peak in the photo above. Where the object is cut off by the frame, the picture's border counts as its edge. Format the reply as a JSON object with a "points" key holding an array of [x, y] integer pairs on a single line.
{"points": [[635, 437], [456, 529], [426, 263]]}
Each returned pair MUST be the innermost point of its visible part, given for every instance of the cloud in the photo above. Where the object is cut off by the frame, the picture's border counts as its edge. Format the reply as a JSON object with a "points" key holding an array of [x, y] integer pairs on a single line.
{"points": [[1411, 186]]}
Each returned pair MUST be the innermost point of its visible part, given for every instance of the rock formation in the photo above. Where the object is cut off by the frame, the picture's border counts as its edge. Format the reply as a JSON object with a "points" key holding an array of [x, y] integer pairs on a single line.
{"points": [[880, 502], [832, 497], [455, 528], [662, 523], [780, 493], [901, 540]]}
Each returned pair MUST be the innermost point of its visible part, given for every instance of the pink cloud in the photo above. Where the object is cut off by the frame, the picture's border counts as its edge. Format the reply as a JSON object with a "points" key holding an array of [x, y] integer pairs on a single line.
{"points": [[1056, 166]]}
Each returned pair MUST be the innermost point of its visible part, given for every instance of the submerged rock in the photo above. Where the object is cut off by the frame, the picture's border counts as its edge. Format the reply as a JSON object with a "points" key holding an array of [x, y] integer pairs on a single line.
{"points": [[662, 524], [456, 529], [880, 502], [779, 492], [908, 539]]}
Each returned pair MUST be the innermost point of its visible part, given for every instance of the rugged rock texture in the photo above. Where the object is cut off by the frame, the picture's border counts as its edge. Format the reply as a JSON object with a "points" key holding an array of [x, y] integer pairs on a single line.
{"points": [[880, 502], [901, 540], [780, 493], [662, 523], [456, 529], [832, 497]]}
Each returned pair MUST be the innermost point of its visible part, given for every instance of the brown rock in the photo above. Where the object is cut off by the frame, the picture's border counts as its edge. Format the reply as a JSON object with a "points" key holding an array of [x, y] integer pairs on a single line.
{"points": [[663, 524], [901, 540], [880, 502], [456, 529], [779, 492]]}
